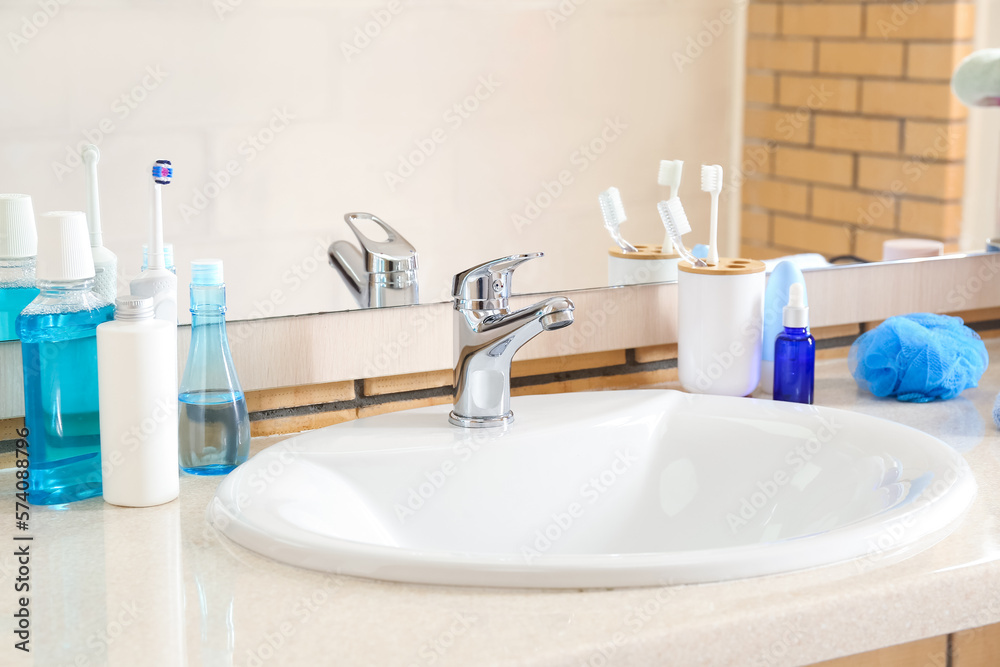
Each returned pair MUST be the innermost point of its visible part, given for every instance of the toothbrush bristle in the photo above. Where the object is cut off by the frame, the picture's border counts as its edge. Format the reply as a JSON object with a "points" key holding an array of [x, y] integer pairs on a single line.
{"points": [[674, 218], [612, 208], [711, 178], [670, 173], [163, 172]]}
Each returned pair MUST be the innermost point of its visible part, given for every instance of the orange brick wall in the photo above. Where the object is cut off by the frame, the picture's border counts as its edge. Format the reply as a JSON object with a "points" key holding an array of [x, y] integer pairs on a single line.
{"points": [[852, 134]]}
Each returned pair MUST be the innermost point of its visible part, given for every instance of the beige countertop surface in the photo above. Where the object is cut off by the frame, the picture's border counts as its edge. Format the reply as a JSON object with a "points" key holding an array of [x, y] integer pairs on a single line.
{"points": [[159, 586]]}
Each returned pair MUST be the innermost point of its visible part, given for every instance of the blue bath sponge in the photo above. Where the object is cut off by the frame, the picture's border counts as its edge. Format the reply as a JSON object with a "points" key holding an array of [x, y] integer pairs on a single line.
{"points": [[919, 358]]}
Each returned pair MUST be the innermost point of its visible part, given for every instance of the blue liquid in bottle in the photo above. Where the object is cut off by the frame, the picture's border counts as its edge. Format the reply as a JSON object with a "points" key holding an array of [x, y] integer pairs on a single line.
{"points": [[12, 301], [17, 290], [214, 421], [59, 353]]}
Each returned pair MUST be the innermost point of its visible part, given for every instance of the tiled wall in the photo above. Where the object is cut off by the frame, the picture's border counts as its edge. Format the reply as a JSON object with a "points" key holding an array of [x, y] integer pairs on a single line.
{"points": [[852, 134]]}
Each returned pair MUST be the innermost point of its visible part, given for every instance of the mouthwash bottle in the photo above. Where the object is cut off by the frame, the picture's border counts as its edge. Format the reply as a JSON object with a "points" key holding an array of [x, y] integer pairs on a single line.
{"points": [[18, 245], [214, 422], [59, 353]]}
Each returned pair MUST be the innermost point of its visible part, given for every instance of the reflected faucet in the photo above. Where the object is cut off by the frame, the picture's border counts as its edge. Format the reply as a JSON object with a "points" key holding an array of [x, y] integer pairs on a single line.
{"points": [[381, 273], [487, 336]]}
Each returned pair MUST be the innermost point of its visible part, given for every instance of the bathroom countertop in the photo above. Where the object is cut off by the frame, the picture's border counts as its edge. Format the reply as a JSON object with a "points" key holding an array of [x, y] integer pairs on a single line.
{"points": [[159, 586]]}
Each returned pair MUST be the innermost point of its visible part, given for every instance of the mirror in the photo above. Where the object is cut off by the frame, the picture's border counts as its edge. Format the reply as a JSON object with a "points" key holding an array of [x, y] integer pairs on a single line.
{"points": [[474, 130]]}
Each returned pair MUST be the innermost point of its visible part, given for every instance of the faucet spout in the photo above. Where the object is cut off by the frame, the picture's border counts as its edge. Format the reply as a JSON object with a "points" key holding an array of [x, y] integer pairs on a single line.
{"points": [[486, 342]]}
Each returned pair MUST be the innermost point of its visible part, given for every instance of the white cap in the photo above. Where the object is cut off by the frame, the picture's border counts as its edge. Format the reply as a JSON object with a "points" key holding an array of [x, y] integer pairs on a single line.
{"points": [[796, 315], [64, 247], [18, 238]]}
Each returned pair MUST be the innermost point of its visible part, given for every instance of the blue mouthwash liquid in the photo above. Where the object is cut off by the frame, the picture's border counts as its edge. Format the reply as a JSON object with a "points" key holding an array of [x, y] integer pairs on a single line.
{"points": [[59, 352], [215, 428], [12, 302]]}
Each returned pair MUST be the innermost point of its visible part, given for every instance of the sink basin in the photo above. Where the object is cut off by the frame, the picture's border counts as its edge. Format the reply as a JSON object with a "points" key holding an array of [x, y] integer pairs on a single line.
{"points": [[601, 489]]}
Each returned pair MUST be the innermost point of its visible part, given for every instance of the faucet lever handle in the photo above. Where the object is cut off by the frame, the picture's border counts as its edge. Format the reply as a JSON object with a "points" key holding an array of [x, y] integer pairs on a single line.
{"points": [[487, 286], [392, 254]]}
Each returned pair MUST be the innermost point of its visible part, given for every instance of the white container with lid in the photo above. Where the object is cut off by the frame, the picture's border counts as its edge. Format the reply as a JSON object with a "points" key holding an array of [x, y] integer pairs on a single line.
{"points": [[137, 376]]}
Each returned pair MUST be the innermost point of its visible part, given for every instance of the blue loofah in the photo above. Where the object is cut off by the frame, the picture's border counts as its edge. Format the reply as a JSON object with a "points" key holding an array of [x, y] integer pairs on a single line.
{"points": [[919, 358]]}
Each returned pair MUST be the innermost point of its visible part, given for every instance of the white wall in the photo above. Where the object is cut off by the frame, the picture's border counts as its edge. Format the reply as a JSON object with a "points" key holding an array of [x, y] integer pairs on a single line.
{"points": [[228, 70]]}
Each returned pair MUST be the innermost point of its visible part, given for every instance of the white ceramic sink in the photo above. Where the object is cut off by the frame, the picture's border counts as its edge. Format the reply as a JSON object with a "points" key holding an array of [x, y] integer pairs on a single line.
{"points": [[599, 489]]}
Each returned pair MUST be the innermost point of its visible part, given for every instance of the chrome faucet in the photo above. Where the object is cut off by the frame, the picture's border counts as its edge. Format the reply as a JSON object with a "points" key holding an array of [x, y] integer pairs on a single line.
{"points": [[487, 336], [380, 273]]}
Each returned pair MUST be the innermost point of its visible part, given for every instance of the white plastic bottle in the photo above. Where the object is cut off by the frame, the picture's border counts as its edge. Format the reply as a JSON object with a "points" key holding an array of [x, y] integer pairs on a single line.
{"points": [[137, 379]]}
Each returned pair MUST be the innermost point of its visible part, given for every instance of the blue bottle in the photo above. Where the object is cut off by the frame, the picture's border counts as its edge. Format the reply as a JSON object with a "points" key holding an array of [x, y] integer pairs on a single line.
{"points": [[18, 245], [59, 353], [795, 352], [214, 422]]}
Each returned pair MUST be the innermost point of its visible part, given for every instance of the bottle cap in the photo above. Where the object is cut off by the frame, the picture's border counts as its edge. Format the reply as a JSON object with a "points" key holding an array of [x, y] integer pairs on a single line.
{"points": [[18, 238], [64, 247], [133, 308], [168, 255], [206, 272], [796, 315]]}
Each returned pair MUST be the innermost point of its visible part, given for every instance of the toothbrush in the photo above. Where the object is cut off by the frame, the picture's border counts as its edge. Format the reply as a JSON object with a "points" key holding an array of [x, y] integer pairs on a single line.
{"points": [[614, 215], [711, 182], [105, 262], [670, 176], [156, 281], [676, 222]]}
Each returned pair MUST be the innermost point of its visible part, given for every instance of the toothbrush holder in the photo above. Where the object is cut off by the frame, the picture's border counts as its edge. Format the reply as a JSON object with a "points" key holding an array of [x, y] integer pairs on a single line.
{"points": [[720, 316], [649, 265]]}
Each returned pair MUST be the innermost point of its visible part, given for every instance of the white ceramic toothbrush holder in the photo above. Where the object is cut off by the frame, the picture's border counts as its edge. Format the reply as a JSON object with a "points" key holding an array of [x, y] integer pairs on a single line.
{"points": [[720, 317], [649, 265]]}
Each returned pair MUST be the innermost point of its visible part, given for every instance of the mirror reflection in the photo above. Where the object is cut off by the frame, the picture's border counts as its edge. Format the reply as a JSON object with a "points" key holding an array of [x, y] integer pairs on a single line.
{"points": [[479, 130]]}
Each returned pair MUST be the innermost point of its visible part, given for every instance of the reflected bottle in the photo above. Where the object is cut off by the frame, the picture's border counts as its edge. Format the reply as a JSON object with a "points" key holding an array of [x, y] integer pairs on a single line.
{"points": [[58, 332], [214, 422], [18, 244]]}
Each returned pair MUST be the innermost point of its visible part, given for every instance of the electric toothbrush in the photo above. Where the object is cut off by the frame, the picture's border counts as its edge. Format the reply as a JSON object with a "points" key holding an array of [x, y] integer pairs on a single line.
{"points": [[711, 182], [105, 261], [156, 281]]}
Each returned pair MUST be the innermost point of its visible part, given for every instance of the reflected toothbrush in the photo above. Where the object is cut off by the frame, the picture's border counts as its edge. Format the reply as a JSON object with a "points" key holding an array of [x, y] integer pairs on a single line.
{"points": [[676, 222], [613, 211], [670, 176], [105, 261], [711, 182], [156, 281]]}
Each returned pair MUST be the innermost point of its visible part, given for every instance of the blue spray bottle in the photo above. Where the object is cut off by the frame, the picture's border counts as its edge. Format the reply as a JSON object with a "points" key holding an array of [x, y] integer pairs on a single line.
{"points": [[214, 422], [795, 351]]}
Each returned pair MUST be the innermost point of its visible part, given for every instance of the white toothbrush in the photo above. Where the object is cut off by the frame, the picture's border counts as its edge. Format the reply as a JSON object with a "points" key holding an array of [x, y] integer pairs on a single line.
{"points": [[613, 211], [711, 182], [105, 262], [157, 282], [676, 222], [670, 176]]}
